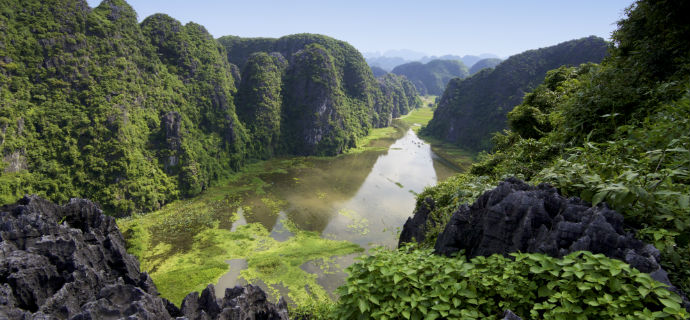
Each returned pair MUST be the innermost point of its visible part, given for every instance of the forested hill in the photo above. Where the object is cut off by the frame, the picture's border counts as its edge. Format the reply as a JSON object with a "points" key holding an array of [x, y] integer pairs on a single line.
{"points": [[97, 105], [473, 108], [431, 77], [323, 90], [483, 64]]}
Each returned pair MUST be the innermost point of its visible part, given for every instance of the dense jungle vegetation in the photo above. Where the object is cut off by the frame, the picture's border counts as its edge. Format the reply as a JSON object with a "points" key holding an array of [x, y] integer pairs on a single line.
{"points": [[471, 109], [133, 115], [617, 132]]}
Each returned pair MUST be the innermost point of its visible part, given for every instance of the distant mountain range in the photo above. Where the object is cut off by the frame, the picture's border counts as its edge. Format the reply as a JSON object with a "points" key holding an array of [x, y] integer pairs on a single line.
{"points": [[393, 58]]}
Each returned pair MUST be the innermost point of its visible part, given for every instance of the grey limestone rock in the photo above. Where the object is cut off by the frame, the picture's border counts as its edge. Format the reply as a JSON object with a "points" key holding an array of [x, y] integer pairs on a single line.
{"points": [[70, 262], [517, 217]]}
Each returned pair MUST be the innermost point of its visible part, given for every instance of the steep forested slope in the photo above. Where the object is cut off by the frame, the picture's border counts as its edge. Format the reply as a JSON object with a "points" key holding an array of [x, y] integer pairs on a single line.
{"points": [[398, 94], [471, 109], [328, 95], [96, 105], [483, 64], [85, 98], [432, 77]]}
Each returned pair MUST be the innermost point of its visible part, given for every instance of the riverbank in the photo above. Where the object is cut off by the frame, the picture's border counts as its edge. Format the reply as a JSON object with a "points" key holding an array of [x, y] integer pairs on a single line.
{"points": [[287, 224]]}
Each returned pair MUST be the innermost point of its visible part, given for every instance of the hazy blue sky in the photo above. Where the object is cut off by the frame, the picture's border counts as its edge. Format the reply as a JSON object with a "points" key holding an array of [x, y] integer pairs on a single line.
{"points": [[437, 27]]}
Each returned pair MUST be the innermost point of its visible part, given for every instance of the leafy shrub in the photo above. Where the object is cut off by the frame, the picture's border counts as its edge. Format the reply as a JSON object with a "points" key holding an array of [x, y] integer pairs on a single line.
{"points": [[645, 175], [581, 285]]}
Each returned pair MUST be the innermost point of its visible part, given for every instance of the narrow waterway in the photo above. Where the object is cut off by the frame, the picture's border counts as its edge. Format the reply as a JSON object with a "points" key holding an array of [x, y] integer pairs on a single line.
{"points": [[363, 198]]}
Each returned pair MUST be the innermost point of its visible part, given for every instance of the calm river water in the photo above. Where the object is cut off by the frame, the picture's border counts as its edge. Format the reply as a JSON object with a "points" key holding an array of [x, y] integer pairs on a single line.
{"points": [[363, 198]]}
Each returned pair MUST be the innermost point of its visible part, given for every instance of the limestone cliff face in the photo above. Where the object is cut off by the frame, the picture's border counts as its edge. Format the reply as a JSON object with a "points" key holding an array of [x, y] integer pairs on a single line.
{"points": [[259, 101], [314, 105], [70, 262], [398, 97], [92, 91]]}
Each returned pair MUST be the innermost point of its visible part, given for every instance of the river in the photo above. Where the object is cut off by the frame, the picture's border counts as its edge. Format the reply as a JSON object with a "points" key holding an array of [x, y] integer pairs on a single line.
{"points": [[363, 198]]}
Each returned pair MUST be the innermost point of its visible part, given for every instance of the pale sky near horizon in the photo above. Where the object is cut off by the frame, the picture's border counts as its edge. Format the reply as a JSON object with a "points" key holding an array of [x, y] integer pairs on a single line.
{"points": [[435, 27]]}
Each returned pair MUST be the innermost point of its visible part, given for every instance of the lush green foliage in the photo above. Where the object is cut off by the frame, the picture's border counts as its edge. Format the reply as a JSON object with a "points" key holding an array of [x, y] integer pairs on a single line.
{"points": [[618, 132], [260, 100], [133, 116], [81, 92], [581, 285], [397, 93], [470, 110], [431, 78], [328, 95]]}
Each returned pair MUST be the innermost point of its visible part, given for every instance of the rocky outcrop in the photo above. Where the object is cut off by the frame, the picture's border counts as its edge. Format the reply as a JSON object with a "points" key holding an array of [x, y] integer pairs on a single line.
{"points": [[517, 217], [70, 262], [171, 123], [415, 227], [246, 303], [509, 315]]}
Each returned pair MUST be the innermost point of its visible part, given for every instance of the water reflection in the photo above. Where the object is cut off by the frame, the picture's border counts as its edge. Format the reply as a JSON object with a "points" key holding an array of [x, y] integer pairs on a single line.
{"points": [[363, 198], [387, 196]]}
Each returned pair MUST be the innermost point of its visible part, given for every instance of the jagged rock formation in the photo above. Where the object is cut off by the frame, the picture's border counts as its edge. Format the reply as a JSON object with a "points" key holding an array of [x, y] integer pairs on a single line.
{"points": [[70, 262], [516, 217], [509, 315], [432, 77], [471, 109], [245, 303], [415, 227]]}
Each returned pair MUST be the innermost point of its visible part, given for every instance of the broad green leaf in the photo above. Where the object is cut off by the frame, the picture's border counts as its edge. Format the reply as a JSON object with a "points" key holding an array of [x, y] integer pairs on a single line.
{"points": [[363, 306], [599, 197], [397, 278]]}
